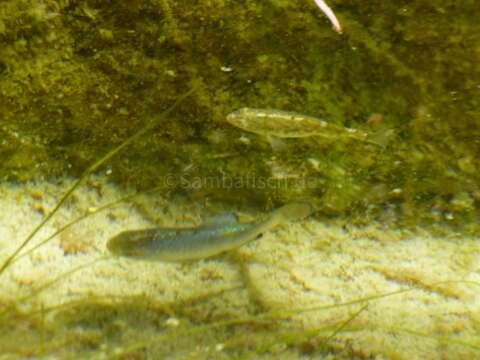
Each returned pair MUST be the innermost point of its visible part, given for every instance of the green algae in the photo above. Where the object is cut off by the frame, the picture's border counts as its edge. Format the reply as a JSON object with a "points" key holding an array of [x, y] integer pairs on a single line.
{"points": [[79, 78]]}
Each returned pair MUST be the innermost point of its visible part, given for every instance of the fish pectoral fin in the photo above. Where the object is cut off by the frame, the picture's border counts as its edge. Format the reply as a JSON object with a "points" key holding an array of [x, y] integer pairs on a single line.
{"points": [[276, 144]]}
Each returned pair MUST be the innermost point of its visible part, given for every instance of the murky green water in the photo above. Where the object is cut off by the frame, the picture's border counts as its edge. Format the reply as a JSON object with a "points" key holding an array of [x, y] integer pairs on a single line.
{"points": [[78, 79]]}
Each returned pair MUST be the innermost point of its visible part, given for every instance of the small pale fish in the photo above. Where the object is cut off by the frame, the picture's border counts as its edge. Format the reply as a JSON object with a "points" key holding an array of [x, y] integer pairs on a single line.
{"points": [[289, 125], [214, 237]]}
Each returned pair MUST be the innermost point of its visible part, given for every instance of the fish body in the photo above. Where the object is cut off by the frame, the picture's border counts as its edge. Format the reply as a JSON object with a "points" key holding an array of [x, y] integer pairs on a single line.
{"points": [[182, 244], [287, 125]]}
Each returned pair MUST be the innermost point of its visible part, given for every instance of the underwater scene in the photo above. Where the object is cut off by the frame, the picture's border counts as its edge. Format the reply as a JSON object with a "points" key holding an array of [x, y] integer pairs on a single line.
{"points": [[221, 179]]}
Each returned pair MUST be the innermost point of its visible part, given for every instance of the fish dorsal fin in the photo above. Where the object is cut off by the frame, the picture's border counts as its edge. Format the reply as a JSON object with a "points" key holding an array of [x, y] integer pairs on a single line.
{"points": [[222, 219]]}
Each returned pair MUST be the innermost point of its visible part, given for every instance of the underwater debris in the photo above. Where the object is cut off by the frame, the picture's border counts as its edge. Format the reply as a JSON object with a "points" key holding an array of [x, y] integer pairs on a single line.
{"points": [[272, 123], [330, 15], [180, 244]]}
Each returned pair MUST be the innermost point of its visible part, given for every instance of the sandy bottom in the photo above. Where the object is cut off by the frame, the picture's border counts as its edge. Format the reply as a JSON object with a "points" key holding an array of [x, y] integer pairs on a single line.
{"points": [[320, 285]]}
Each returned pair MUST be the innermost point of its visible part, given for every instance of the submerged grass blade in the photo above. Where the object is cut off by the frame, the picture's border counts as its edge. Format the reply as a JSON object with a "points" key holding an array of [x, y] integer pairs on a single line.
{"points": [[267, 318], [285, 312], [82, 217], [297, 335], [343, 325], [149, 126], [34, 292]]}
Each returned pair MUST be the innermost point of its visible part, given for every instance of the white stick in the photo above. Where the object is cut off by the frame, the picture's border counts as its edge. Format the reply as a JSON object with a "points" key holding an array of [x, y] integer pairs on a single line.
{"points": [[331, 16]]}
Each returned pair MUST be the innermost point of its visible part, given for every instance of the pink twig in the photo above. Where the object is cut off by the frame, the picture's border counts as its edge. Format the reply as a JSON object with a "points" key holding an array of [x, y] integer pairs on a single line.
{"points": [[331, 16]]}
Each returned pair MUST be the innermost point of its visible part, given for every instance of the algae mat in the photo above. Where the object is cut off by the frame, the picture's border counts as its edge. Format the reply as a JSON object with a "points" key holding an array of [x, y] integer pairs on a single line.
{"points": [[306, 290]]}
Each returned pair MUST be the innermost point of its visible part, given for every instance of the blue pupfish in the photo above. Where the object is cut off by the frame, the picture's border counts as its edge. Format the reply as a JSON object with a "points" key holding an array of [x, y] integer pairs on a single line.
{"points": [[209, 239]]}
